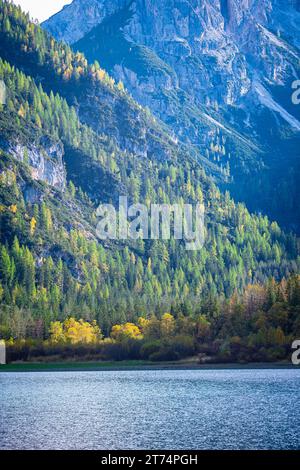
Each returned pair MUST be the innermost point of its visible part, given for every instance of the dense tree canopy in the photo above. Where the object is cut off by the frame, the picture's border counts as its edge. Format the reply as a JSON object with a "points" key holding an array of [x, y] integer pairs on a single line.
{"points": [[53, 268]]}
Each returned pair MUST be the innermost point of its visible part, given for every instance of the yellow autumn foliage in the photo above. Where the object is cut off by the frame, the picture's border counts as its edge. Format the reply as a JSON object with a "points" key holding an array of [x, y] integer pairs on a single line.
{"points": [[13, 208], [126, 331], [32, 226], [75, 332], [144, 324], [168, 325]]}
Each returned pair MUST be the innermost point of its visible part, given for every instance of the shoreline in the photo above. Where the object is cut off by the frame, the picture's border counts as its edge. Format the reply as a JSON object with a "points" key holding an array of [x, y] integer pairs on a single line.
{"points": [[69, 366]]}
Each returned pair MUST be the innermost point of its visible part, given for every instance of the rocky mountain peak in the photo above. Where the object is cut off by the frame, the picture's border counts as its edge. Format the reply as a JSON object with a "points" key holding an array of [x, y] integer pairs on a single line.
{"points": [[219, 73]]}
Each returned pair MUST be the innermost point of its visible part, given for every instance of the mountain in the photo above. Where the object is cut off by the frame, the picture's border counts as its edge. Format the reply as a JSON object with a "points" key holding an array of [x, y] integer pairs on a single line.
{"points": [[218, 73], [71, 138]]}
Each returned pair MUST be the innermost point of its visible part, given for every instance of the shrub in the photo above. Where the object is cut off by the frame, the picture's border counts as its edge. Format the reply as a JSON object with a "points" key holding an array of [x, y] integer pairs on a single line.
{"points": [[183, 346], [165, 353], [150, 347]]}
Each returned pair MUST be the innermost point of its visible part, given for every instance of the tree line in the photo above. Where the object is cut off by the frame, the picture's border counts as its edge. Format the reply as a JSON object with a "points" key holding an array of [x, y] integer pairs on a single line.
{"points": [[52, 269], [259, 325]]}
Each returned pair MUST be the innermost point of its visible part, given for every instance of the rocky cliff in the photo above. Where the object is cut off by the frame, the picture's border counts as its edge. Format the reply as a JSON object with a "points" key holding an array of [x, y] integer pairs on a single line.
{"points": [[44, 159], [218, 72], [53, 265]]}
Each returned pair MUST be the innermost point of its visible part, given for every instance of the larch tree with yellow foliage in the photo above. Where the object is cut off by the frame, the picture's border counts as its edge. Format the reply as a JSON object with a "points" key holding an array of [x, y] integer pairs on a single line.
{"points": [[167, 325], [32, 226]]}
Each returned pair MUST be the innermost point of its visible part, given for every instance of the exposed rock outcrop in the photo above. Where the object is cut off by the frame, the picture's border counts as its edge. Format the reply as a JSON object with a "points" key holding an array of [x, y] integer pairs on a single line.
{"points": [[217, 72], [45, 160]]}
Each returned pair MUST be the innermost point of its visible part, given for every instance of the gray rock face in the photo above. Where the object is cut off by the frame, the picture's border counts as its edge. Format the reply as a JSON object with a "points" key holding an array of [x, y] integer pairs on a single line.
{"points": [[65, 25], [178, 30], [45, 161], [219, 73]]}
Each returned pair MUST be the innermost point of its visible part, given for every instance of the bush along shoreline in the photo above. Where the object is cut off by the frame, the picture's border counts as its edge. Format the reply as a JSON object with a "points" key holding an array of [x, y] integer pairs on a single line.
{"points": [[259, 326]]}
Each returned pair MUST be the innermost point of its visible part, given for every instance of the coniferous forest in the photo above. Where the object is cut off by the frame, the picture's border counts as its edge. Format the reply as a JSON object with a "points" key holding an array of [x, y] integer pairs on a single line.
{"points": [[72, 137]]}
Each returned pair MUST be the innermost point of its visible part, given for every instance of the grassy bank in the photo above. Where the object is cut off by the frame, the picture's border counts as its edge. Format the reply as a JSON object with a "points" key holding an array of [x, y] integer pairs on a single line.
{"points": [[133, 365]]}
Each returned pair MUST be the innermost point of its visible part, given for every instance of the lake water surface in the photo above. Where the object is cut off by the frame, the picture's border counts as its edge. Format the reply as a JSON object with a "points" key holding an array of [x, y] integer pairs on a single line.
{"points": [[152, 409]]}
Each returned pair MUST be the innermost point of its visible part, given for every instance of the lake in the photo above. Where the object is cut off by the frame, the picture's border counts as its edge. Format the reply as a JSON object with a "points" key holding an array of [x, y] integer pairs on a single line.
{"points": [[151, 409]]}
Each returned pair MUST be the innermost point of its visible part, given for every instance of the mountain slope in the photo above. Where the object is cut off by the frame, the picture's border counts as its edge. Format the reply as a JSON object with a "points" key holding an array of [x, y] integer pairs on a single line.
{"points": [[219, 73], [51, 263]]}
